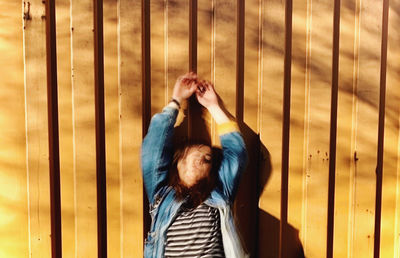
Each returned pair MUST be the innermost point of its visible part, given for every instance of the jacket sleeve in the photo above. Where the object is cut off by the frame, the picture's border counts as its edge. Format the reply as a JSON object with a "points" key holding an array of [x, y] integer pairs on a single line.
{"points": [[156, 152], [234, 158]]}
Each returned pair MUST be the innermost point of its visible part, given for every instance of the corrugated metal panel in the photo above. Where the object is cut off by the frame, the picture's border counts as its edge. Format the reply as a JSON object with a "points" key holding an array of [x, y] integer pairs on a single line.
{"points": [[391, 155], [290, 71], [14, 212], [66, 127], [37, 140]]}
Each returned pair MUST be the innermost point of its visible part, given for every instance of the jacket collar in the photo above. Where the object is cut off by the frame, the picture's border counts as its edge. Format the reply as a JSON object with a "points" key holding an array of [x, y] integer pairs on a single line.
{"points": [[215, 199]]}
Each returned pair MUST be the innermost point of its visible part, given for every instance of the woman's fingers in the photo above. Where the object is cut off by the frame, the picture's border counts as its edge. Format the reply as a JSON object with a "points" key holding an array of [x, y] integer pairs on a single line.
{"points": [[203, 86], [199, 92], [200, 87], [193, 86], [189, 78], [210, 86]]}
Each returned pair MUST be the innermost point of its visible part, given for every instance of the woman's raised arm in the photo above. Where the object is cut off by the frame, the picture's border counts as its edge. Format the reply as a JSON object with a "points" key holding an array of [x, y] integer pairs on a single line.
{"points": [[157, 148]]}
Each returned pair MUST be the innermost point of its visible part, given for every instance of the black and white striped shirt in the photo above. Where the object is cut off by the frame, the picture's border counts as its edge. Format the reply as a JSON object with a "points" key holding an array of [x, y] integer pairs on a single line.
{"points": [[195, 233]]}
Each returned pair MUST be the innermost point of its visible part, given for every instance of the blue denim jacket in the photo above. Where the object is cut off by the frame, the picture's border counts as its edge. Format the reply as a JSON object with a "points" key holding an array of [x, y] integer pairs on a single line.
{"points": [[156, 156]]}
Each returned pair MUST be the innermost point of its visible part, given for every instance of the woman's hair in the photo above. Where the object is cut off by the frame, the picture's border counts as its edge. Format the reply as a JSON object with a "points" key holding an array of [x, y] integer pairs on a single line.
{"points": [[199, 192]]}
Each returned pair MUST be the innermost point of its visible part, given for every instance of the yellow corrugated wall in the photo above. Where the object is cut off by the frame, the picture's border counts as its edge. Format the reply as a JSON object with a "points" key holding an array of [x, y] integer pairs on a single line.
{"points": [[241, 47]]}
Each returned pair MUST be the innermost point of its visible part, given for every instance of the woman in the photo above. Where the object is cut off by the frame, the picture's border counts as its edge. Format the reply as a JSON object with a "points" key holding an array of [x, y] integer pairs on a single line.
{"points": [[190, 192]]}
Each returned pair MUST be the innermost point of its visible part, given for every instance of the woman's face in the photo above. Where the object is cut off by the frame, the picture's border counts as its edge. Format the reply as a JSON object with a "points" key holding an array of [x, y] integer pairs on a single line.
{"points": [[195, 165]]}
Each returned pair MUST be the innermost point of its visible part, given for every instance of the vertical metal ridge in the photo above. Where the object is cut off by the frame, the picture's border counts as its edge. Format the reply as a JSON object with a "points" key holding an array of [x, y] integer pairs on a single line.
{"points": [[100, 130], [333, 129], [146, 66], [381, 129], [146, 94], [307, 119], [260, 65], [286, 127], [354, 130], [166, 52], [54, 147], [260, 69], [240, 23], [213, 37], [193, 35], [193, 107]]}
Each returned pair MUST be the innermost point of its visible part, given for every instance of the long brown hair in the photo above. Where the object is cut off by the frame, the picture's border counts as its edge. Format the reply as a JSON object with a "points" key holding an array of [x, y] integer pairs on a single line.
{"points": [[199, 192]]}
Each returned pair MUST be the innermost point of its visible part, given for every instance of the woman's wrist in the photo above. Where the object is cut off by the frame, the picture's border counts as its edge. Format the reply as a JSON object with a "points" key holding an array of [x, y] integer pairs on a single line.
{"points": [[176, 102], [218, 114], [212, 107], [173, 105], [179, 99]]}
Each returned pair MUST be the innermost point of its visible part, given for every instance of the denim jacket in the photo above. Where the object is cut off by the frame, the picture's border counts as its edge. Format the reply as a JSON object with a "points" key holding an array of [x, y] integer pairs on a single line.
{"points": [[156, 156]]}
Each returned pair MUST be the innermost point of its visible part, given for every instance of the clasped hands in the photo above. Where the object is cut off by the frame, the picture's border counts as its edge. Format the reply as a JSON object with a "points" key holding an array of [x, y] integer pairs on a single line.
{"points": [[190, 84]]}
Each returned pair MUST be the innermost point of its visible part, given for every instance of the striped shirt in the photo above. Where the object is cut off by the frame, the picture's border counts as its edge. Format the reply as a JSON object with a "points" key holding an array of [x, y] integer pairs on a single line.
{"points": [[195, 233]]}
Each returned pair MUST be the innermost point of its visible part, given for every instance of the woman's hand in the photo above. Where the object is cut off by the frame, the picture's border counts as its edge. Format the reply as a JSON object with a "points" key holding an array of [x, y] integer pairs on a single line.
{"points": [[185, 86], [206, 95]]}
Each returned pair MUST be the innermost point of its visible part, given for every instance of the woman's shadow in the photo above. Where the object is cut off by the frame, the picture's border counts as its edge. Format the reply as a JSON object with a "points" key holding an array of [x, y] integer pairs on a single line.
{"points": [[259, 229]]}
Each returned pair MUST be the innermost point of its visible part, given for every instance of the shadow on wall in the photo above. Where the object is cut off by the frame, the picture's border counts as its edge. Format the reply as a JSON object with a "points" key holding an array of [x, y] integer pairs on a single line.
{"points": [[259, 229], [269, 226]]}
